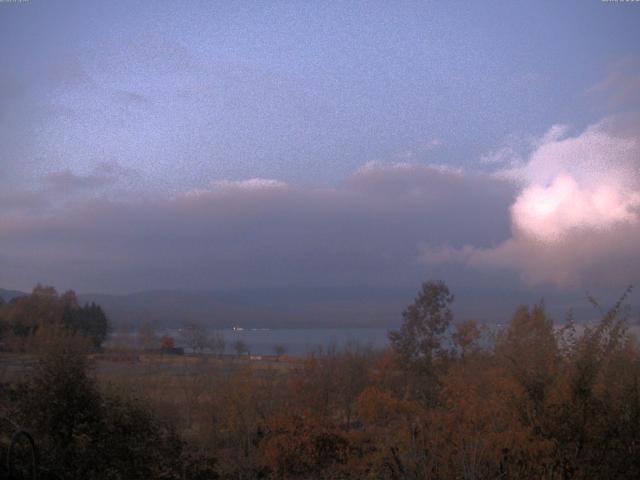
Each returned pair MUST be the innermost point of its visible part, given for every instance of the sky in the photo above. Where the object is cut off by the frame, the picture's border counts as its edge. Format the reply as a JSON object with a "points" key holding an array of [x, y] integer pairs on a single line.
{"points": [[206, 145]]}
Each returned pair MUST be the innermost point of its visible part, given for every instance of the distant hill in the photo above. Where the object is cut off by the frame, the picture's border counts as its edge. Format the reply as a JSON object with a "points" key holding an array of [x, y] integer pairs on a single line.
{"points": [[325, 307], [7, 295], [255, 308], [322, 307]]}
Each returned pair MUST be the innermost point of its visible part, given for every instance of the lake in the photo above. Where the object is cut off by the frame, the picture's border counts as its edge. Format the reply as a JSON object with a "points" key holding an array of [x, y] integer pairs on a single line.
{"points": [[296, 341]]}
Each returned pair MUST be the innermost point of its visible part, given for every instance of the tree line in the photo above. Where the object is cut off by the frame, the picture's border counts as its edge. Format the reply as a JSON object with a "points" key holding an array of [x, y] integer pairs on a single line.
{"points": [[30, 319]]}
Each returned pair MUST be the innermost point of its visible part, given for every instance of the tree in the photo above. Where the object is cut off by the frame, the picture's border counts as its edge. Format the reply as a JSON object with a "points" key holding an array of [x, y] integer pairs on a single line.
{"points": [[596, 408], [167, 342], [418, 343], [3, 323], [217, 342], [84, 433], [279, 349], [352, 377], [529, 351], [196, 337], [466, 336], [88, 320], [424, 323], [60, 403], [240, 347], [44, 308], [304, 447], [147, 337]]}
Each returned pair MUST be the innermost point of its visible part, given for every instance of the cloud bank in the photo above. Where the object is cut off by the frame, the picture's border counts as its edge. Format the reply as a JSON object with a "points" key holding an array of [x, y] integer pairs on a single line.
{"points": [[576, 219], [566, 214], [368, 231]]}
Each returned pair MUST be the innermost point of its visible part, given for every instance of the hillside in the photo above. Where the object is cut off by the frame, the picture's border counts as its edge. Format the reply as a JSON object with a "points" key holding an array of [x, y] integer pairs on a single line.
{"points": [[323, 307], [7, 295]]}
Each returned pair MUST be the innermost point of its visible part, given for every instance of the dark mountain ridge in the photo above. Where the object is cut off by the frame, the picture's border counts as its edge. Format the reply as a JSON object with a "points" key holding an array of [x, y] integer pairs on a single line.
{"points": [[302, 307], [7, 295]]}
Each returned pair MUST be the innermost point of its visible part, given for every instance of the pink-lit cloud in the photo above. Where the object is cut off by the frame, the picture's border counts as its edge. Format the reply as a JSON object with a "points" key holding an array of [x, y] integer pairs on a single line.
{"points": [[576, 219]]}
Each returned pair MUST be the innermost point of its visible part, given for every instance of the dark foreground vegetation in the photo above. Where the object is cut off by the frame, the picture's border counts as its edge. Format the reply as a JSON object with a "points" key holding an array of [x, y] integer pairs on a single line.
{"points": [[447, 401]]}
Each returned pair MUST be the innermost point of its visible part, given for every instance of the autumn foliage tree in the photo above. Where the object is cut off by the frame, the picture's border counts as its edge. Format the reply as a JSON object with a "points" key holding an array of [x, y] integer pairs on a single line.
{"points": [[167, 342], [44, 310], [419, 341], [424, 323]]}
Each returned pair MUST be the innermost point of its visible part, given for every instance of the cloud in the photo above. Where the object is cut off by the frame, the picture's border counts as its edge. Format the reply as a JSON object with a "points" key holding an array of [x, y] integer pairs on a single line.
{"points": [[504, 156], [257, 232], [621, 87], [250, 184], [568, 214], [22, 200], [548, 213], [56, 187], [576, 218], [66, 181]]}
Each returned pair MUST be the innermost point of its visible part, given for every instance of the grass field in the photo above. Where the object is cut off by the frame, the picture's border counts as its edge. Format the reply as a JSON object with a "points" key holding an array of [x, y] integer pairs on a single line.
{"points": [[187, 390]]}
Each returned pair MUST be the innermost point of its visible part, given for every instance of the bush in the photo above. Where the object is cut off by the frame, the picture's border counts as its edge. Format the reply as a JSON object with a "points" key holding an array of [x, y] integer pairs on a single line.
{"points": [[85, 433]]}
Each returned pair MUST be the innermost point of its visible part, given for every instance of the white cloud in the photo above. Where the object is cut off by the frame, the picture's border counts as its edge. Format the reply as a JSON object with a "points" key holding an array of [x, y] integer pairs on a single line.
{"points": [[504, 156], [548, 213], [229, 186], [250, 184]]}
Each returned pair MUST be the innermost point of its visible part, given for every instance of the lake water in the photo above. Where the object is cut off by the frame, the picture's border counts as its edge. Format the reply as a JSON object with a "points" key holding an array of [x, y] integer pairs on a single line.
{"points": [[297, 341], [301, 341]]}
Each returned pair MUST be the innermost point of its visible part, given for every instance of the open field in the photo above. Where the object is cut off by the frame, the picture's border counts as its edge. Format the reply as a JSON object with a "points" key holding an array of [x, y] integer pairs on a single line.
{"points": [[184, 389]]}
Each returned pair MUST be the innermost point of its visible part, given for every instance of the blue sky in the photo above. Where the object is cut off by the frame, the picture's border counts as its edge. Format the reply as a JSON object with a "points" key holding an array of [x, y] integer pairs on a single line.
{"points": [[201, 144], [198, 91]]}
